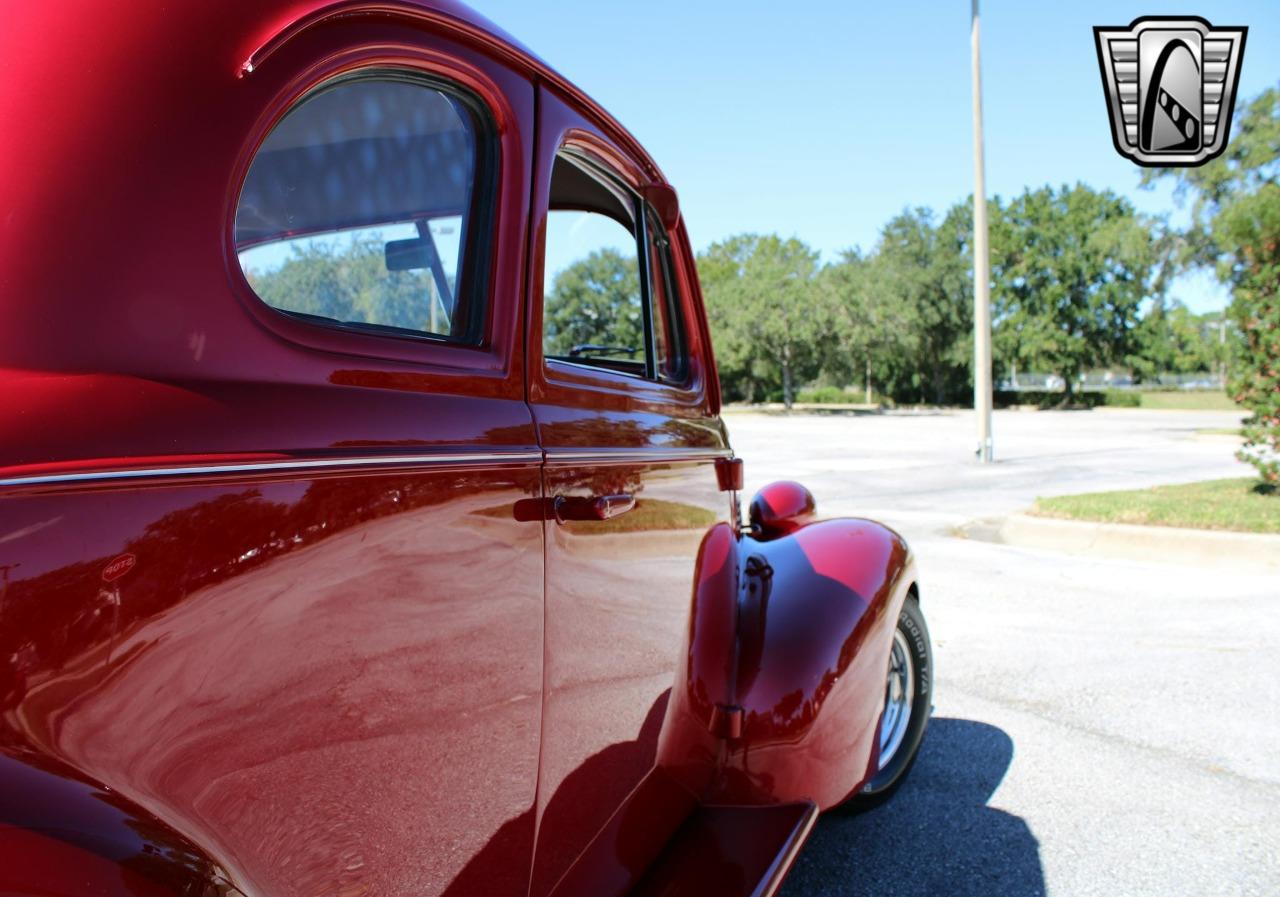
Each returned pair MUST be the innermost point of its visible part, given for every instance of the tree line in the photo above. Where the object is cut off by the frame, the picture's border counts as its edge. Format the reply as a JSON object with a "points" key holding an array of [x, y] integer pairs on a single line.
{"points": [[1079, 282]]}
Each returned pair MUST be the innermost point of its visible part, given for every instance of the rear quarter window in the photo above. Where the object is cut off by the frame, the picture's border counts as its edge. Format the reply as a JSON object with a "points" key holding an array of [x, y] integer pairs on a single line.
{"points": [[367, 207]]}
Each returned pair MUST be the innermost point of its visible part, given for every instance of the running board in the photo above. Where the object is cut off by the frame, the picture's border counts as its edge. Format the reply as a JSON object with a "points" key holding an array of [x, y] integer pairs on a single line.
{"points": [[728, 851]]}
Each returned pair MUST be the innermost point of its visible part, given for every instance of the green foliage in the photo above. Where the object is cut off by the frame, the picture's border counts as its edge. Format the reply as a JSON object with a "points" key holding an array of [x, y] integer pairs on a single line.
{"points": [[1256, 380], [350, 283], [868, 337], [1073, 268], [898, 321], [1122, 398], [1070, 269], [595, 301], [830, 395], [922, 276], [1170, 339], [1236, 227], [766, 312]]}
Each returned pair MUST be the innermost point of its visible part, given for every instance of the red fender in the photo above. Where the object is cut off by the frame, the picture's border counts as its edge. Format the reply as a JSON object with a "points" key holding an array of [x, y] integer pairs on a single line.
{"points": [[781, 694], [65, 835]]}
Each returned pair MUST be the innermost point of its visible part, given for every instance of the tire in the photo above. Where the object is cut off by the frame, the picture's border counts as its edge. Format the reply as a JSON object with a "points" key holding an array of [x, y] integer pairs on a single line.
{"points": [[902, 732]]}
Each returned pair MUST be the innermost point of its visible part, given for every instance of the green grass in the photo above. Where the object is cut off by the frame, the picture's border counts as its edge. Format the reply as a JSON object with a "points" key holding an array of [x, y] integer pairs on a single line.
{"points": [[1188, 400], [1236, 504]]}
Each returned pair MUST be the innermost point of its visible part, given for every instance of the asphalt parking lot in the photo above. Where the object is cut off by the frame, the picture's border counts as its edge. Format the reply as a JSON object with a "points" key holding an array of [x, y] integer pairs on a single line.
{"points": [[1100, 726]]}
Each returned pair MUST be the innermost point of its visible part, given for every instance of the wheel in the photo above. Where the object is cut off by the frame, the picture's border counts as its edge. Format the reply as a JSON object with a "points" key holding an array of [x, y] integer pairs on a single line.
{"points": [[908, 701]]}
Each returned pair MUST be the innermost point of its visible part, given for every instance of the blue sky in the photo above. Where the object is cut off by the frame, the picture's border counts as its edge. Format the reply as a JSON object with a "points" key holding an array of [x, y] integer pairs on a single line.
{"points": [[821, 120]]}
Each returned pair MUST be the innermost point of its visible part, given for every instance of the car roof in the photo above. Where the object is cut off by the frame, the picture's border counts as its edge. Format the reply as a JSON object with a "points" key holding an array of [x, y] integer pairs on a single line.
{"points": [[479, 28]]}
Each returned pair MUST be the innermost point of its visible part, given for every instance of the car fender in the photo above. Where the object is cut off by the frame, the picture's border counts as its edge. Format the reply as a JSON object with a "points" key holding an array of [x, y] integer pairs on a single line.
{"points": [[63, 834], [782, 689]]}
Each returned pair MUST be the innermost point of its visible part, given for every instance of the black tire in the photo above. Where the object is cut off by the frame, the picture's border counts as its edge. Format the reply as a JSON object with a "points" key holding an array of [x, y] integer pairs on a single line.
{"points": [[882, 785]]}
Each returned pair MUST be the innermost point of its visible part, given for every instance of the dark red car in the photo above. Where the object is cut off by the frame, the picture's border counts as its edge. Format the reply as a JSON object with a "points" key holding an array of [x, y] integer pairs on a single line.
{"points": [[367, 521]]}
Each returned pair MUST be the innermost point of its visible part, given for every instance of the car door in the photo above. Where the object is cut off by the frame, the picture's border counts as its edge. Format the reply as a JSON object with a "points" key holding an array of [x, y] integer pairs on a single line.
{"points": [[622, 393], [295, 614]]}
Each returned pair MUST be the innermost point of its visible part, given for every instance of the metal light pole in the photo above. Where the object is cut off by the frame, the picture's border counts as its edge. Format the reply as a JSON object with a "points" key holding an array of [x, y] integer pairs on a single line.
{"points": [[981, 265]]}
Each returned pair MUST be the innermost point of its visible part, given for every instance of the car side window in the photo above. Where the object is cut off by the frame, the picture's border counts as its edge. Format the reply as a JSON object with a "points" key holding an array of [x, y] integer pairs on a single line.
{"points": [[592, 305], [363, 207], [605, 303]]}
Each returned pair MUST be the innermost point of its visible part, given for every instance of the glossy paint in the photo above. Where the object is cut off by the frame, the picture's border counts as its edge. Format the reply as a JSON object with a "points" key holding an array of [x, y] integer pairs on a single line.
{"points": [[287, 610], [627, 584], [61, 833], [780, 509], [788, 706], [815, 624]]}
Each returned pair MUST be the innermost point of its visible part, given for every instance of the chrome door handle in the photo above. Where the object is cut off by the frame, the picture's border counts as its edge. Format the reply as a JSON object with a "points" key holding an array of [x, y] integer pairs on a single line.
{"points": [[607, 506], [602, 507]]}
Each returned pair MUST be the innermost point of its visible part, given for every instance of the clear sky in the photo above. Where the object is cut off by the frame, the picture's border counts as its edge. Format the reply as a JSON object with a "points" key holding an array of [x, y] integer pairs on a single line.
{"points": [[822, 120]]}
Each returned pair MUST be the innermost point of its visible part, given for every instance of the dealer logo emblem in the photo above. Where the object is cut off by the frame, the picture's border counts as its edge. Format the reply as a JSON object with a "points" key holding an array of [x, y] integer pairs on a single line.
{"points": [[1170, 86]]}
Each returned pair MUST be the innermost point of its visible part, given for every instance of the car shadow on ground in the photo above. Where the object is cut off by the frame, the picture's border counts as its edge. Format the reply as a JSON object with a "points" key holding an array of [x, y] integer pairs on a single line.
{"points": [[936, 835]]}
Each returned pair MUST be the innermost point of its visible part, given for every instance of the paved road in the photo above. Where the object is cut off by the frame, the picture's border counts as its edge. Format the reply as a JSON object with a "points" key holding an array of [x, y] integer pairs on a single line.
{"points": [[1100, 727]]}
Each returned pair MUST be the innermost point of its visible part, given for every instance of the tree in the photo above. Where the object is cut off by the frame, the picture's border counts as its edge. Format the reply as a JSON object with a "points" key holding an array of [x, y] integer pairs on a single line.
{"points": [[902, 316], [718, 268], [1252, 224], [922, 271], [1070, 269], [868, 329], [1170, 339], [765, 308], [350, 283], [595, 301], [1236, 228]]}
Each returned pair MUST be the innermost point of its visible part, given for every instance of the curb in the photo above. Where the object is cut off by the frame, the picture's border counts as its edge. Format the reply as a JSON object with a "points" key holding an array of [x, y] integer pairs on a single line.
{"points": [[1146, 543]]}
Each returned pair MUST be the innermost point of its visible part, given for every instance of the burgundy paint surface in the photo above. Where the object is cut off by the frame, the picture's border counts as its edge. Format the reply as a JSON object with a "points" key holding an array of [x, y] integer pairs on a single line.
{"points": [[781, 508], [393, 678]]}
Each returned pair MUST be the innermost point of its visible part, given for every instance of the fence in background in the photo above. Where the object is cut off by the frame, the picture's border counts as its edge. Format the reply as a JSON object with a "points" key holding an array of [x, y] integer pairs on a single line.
{"points": [[1095, 380]]}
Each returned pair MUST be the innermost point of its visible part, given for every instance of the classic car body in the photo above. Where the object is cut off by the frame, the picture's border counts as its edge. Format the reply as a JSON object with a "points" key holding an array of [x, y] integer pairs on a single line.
{"points": [[293, 605]]}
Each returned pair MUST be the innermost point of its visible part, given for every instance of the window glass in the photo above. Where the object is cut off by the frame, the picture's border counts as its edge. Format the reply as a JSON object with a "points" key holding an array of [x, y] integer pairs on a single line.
{"points": [[593, 312], [358, 208], [668, 326]]}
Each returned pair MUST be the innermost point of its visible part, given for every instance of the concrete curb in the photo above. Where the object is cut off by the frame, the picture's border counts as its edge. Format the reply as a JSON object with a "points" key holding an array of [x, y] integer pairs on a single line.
{"points": [[1147, 543]]}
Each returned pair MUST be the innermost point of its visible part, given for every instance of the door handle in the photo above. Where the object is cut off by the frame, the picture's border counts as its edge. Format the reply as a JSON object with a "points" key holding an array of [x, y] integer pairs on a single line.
{"points": [[607, 506], [601, 507]]}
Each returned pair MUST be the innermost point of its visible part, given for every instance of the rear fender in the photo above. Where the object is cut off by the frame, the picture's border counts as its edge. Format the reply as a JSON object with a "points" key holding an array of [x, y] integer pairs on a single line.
{"points": [[782, 690], [63, 834]]}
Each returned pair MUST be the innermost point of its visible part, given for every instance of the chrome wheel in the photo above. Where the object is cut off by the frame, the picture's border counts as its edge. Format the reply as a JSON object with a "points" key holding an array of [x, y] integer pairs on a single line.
{"points": [[899, 691]]}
